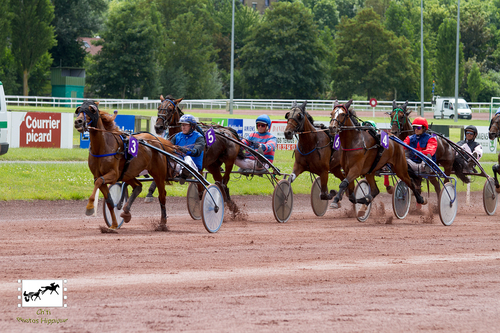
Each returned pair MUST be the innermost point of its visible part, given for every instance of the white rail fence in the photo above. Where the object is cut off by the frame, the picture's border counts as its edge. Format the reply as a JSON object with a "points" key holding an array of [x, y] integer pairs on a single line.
{"points": [[218, 104]]}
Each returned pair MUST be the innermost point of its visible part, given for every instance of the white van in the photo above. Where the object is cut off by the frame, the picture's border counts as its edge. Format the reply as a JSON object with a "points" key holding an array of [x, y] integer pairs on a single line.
{"points": [[444, 107], [4, 128]]}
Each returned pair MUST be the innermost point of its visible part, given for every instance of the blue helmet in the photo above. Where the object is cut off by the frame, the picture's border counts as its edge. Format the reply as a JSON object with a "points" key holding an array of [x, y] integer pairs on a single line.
{"points": [[188, 119], [264, 119]]}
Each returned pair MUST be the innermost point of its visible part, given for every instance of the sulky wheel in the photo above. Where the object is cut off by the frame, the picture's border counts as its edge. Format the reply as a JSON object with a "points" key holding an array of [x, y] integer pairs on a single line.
{"points": [[115, 191], [212, 208], [361, 190], [448, 204], [282, 201], [319, 206], [194, 201], [401, 199], [490, 196]]}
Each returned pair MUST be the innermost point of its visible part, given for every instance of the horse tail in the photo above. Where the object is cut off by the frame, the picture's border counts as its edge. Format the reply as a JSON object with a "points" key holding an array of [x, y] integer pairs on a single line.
{"points": [[459, 165]]}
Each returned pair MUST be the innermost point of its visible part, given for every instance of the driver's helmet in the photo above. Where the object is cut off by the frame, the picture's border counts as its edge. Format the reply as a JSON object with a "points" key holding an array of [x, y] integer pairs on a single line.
{"points": [[473, 129], [188, 119], [264, 119], [420, 121], [370, 123]]}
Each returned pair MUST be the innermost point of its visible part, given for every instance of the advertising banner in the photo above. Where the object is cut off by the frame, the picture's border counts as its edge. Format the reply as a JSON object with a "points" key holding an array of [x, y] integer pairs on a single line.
{"points": [[125, 122], [41, 129]]}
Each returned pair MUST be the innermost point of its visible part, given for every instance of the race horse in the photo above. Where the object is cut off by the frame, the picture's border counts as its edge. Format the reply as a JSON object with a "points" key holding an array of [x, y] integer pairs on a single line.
{"points": [[222, 151], [362, 155], [494, 133], [109, 161], [401, 127], [53, 288], [313, 152], [29, 296]]}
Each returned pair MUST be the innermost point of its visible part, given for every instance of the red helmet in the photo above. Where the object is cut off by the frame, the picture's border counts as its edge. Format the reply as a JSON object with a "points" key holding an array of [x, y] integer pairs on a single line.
{"points": [[420, 121]]}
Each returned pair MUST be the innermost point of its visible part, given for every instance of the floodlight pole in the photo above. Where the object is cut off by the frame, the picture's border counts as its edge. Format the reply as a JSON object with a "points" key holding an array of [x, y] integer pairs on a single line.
{"points": [[455, 109], [422, 58], [231, 86]]}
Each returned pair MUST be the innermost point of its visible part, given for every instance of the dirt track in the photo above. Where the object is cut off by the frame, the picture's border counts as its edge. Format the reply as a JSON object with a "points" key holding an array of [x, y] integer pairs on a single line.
{"points": [[326, 274]]}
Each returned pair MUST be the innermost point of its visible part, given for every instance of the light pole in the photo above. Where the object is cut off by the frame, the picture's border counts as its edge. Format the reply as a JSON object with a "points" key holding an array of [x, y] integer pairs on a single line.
{"points": [[455, 118], [421, 58], [231, 85]]}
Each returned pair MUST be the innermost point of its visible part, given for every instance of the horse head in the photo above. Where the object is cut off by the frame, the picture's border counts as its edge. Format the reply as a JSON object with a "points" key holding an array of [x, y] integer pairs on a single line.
{"points": [[296, 118], [494, 131], [339, 116], [400, 121], [167, 115], [87, 114]]}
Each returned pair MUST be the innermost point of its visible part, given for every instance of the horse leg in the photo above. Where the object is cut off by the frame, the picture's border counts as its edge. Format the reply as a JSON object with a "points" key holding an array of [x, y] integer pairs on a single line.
{"points": [[111, 205], [324, 195], [98, 183], [151, 191], [435, 183], [297, 170], [402, 172], [344, 185], [162, 198], [496, 170], [137, 189]]}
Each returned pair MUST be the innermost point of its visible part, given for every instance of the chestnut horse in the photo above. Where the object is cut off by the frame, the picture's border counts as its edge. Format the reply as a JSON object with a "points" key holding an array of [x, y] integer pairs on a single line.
{"points": [[494, 133], [445, 154], [314, 149], [222, 151], [361, 156], [109, 164]]}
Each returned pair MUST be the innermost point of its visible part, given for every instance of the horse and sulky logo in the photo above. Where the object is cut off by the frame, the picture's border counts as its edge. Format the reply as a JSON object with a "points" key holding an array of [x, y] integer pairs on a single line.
{"points": [[42, 293]]}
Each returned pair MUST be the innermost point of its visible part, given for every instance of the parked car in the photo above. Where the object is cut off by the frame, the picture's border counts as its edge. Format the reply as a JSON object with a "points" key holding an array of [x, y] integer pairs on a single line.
{"points": [[444, 107]]}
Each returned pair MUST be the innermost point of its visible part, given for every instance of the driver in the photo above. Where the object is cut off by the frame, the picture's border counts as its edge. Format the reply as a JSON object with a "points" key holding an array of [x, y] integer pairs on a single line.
{"points": [[191, 144], [469, 144], [422, 142], [262, 141]]}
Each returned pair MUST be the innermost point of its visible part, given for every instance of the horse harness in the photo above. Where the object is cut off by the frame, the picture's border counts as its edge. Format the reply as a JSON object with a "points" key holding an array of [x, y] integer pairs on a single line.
{"points": [[297, 132], [371, 131]]}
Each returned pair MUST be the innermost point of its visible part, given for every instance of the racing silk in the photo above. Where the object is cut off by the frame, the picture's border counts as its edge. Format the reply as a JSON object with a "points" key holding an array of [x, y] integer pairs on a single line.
{"points": [[266, 140], [194, 141], [471, 146], [425, 143]]}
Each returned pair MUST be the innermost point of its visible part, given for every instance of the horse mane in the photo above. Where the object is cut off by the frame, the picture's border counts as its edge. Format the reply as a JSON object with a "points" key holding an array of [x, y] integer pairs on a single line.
{"points": [[108, 122]]}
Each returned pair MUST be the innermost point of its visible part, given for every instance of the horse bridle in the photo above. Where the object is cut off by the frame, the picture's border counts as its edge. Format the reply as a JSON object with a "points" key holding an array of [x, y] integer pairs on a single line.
{"points": [[495, 121], [163, 116], [347, 115], [94, 117], [299, 125], [395, 119]]}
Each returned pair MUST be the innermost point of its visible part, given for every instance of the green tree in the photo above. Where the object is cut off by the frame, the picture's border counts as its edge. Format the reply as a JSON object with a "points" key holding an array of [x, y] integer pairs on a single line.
{"points": [[371, 60], [474, 82], [446, 58], [32, 34], [5, 18], [127, 65], [349, 8], [474, 31], [69, 25], [285, 57], [188, 59]]}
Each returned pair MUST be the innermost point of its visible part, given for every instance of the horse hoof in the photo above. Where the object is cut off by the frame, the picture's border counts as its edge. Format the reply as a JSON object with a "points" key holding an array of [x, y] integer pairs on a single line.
{"points": [[334, 205], [390, 189], [89, 212], [126, 217], [148, 199]]}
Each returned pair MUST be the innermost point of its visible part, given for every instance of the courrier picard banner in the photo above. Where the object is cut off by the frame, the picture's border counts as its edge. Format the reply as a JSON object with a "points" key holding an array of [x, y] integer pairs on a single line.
{"points": [[41, 130]]}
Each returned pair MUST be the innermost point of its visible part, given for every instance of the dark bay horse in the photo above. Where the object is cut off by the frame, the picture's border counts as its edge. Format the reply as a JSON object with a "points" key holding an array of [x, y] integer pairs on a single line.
{"points": [[494, 133], [109, 164], [361, 156], [314, 149], [445, 154], [222, 151]]}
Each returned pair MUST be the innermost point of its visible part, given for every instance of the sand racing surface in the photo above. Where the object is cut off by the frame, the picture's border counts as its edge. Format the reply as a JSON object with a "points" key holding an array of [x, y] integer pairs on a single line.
{"points": [[311, 274]]}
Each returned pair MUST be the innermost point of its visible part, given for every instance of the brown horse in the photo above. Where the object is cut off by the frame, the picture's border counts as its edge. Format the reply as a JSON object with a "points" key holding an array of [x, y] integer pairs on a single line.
{"points": [[445, 154], [222, 151], [109, 164], [361, 156], [494, 133], [314, 149]]}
